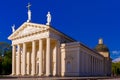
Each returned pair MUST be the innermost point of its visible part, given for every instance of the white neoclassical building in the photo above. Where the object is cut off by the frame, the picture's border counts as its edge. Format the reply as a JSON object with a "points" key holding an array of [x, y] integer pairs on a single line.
{"points": [[39, 49]]}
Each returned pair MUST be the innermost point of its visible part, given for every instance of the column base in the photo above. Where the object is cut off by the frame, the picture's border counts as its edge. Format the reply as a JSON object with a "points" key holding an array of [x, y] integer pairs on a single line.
{"points": [[18, 74], [13, 74], [40, 74], [48, 75], [24, 74], [33, 74], [56, 75]]}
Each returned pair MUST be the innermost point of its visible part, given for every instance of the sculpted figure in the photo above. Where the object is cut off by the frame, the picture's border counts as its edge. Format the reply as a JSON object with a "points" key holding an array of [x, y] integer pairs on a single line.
{"points": [[13, 28], [48, 18], [29, 12]]}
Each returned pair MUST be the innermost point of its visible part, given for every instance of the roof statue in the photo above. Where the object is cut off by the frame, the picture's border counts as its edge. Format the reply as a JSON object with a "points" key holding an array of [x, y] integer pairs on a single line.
{"points": [[29, 12], [100, 41], [48, 18], [13, 28]]}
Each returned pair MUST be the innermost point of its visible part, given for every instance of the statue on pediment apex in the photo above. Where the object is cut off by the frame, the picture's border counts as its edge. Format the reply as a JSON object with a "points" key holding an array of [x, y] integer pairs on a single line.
{"points": [[29, 12], [48, 18]]}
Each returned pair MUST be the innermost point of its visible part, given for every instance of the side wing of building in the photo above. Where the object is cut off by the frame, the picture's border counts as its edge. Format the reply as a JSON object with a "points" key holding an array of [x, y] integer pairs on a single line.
{"points": [[79, 60]]}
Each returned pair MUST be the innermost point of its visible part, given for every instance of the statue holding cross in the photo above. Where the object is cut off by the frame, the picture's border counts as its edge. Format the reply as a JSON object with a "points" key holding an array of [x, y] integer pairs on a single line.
{"points": [[28, 6], [29, 12]]}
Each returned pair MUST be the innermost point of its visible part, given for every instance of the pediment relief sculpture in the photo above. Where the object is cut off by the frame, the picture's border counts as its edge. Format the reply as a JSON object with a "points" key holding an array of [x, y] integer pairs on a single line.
{"points": [[28, 29]]}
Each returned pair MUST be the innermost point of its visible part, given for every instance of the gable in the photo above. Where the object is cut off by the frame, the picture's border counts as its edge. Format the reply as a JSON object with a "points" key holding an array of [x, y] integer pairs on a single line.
{"points": [[28, 29]]}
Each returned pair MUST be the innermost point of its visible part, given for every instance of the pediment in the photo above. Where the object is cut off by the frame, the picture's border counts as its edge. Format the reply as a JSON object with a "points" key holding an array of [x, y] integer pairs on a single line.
{"points": [[27, 29]]}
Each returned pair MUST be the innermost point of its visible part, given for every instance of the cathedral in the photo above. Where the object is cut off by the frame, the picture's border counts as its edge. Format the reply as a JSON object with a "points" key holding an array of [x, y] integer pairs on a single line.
{"points": [[41, 50]]}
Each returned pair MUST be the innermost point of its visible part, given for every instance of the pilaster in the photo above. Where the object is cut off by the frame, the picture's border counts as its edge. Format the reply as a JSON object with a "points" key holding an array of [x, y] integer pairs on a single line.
{"points": [[56, 60]]}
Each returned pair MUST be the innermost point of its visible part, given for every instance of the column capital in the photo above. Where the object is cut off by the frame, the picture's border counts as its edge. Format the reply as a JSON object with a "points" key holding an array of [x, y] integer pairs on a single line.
{"points": [[13, 44]]}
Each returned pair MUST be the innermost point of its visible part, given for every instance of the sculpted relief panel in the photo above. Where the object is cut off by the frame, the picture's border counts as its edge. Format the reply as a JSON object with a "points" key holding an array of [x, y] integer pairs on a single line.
{"points": [[28, 30]]}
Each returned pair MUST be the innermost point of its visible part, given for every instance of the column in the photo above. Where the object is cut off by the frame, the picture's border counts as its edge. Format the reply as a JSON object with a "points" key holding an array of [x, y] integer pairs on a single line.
{"points": [[19, 60], [13, 60], [40, 57], [28, 63], [48, 57], [33, 57], [24, 59], [91, 65], [56, 60]]}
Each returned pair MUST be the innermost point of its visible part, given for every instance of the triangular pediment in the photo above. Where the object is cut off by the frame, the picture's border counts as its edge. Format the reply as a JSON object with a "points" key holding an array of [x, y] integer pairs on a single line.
{"points": [[27, 29]]}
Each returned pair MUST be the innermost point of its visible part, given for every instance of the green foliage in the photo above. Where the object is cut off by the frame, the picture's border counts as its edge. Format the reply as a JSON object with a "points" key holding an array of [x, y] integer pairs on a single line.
{"points": [[6, 60], [4, 47], [0, 64], [116, 69], [7, 63]]}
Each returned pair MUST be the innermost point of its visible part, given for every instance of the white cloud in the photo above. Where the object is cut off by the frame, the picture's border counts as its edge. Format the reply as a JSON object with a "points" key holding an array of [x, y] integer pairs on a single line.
{"points": [[116, 60], [115, 52]]}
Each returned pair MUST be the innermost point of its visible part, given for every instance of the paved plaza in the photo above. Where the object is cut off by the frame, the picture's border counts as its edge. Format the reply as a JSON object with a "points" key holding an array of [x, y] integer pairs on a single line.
{"points": [[59, 78]]}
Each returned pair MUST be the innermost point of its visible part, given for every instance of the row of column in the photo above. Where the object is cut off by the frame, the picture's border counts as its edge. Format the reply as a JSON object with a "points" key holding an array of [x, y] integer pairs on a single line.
{"points": [[96, 66], [90, 65], [23, 71]]}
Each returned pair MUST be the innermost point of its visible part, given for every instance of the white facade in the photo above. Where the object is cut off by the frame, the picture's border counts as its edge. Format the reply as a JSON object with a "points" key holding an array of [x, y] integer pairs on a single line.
{"points": [[41, 50]]}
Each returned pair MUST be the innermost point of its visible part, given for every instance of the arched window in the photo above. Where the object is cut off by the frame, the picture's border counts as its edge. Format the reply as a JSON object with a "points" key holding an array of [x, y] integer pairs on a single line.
{"points": [[68, 66]]}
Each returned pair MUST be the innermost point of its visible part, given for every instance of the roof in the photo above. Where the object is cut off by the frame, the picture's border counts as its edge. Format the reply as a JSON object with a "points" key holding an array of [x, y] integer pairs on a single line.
{"points": [[34, 27]]}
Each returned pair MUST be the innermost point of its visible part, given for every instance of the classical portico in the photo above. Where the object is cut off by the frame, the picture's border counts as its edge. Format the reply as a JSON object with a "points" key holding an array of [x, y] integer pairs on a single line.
{"points": [[35, 50], [35, 59]]}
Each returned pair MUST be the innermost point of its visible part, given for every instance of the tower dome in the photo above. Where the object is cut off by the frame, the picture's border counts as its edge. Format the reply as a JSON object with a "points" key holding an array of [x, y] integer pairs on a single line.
{"points": [[101, 47]]}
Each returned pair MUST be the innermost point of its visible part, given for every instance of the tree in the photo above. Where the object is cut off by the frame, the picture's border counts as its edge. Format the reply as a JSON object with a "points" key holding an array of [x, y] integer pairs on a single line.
{"points": [[7, 63], [0, 64], [5, 58], [116, 69]]}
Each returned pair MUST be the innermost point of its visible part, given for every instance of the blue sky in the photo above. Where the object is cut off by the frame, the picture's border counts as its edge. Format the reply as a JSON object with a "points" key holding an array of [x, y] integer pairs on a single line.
{"points": [[84, 20]]}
